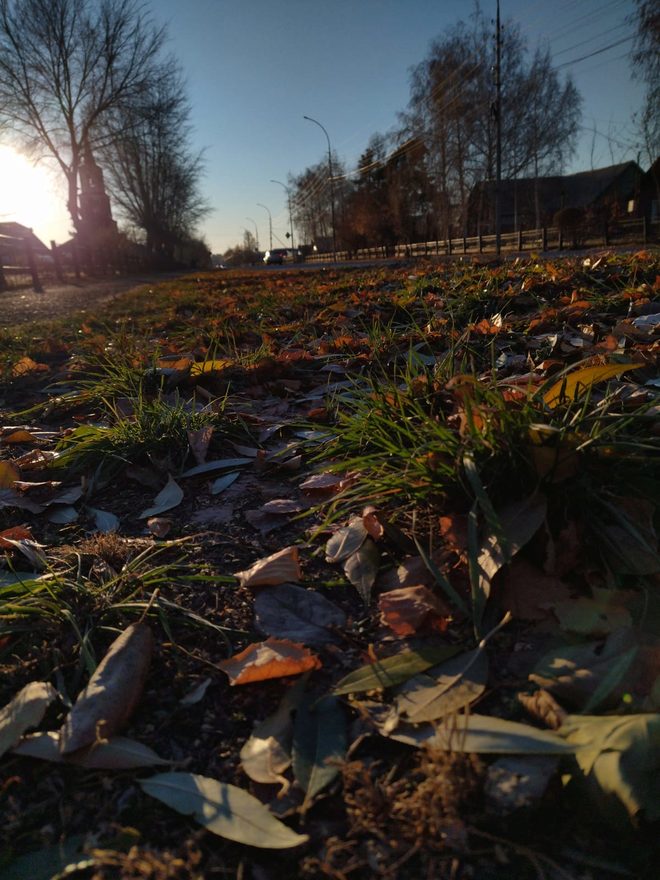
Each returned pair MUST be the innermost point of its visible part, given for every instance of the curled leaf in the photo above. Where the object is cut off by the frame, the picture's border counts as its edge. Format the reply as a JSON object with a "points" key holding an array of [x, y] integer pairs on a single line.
{"points": [[113, 691], [278, 568], [26, 710]]}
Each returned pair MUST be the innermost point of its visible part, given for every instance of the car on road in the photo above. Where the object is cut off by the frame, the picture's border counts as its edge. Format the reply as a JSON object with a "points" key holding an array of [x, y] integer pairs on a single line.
{"points": [[276, 257]]}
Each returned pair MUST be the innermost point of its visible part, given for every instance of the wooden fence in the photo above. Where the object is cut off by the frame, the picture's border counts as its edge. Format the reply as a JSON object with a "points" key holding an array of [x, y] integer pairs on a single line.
{"points": [[549, 238]]}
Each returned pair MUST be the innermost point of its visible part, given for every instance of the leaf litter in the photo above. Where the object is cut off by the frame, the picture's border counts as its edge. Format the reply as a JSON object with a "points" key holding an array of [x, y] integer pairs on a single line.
{"points": [[532, 494]]}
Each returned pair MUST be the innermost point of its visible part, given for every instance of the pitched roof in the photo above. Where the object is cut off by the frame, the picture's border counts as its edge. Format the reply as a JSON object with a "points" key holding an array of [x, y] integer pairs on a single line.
{"points": [[17, 230]]}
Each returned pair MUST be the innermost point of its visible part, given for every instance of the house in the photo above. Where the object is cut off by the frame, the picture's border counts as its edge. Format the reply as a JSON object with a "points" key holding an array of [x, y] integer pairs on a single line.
{"points": [[530, 203], [13, 237]]}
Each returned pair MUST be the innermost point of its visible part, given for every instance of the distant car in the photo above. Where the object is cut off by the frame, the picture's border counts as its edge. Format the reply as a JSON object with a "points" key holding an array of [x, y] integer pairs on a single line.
{"points": [[276, 257]]}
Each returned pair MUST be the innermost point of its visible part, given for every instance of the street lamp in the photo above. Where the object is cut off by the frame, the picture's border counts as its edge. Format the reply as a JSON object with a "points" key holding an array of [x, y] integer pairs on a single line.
{"points": [[270, 223], [332, 185], [288, 196], [256, 231]]}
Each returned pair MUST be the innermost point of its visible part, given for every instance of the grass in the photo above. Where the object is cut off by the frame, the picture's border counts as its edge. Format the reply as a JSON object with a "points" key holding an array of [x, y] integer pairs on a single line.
{"points": [[442, 416]]}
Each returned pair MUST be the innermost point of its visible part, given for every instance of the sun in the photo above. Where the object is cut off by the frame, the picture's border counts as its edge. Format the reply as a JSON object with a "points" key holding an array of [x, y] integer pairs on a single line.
{"points": [[31, 195]]}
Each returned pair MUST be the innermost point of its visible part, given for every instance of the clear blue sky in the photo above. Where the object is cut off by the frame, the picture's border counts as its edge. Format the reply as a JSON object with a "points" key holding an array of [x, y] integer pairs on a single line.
{"points": [[254, 67]]}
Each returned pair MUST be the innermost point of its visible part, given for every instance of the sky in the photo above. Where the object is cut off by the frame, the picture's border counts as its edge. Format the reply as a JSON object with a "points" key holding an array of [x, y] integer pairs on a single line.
{"points": [[254, 68]]}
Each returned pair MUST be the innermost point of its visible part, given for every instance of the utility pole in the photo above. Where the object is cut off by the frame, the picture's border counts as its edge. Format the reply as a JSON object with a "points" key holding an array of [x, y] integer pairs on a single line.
{"points": [[332, 185], [498, 132], [270, 224]]}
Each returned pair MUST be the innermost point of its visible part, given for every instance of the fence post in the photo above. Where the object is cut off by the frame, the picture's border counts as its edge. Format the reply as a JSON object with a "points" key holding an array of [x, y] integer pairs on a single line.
{"points": [[544, 238], [561, 238], [56, 262], [645, 232], [520, 240], [76, 260], [606, 234], [449, 245], [29, 253]]}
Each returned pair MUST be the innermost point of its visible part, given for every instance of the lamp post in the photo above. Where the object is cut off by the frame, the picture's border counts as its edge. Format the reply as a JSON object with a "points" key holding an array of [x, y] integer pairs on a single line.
{"points": [[332, 185], [288, 196], [270, 223], [256, 231]]}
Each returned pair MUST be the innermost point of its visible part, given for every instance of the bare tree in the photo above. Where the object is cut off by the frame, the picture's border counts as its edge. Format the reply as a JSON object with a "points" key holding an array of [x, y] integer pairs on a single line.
{"points": [[64, 66], [451, 110], [152, 174], [646, 66]]}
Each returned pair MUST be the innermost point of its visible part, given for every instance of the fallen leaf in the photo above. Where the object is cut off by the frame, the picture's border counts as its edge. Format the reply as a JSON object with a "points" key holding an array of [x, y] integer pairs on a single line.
{"points": [[104, 521], [9, 498], [223, 809], [319, 744], [543, 707], [25, 710], [19, 436], [322, 484], [27, 365], [346, 541], [9, 473], [220, 464], [273, 658], [483, 734], [197, 694], [116, 753], [171, 495], [444, 689], [518, 782], [278, 568], [211, 366], [224, 482], [63, 515], [528, 593], [267, 753], [113, 691], [361, 568], [159, 526], [593, 617], [518, 524], [577, 382], [16, 533], [408, 609], [394, 670], [619, 757], [291, 612], [199, 442]]}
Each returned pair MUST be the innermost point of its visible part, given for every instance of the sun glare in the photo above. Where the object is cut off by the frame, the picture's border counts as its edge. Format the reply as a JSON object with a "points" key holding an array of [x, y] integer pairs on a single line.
{"points": [[30, 195]]}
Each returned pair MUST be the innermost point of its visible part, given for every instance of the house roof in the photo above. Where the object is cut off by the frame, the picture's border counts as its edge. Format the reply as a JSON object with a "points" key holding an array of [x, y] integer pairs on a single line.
{"points": [[17, 230], [574, 190]]}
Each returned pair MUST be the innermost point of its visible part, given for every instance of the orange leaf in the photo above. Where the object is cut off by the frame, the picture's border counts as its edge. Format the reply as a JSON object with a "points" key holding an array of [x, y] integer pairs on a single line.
{"points": [[27, 365], [273, 658], [16, 533], [19, 436], [408, 609], [278, 568]]}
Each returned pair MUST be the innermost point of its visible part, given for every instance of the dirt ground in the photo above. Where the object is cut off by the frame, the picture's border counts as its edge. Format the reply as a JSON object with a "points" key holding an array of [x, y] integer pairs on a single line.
{"points": [[24, 305]]}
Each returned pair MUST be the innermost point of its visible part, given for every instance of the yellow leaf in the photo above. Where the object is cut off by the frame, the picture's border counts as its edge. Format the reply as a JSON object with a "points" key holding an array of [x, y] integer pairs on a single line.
{"points": [[570, 387], [209, 366], [273, 658], [9, 473]]}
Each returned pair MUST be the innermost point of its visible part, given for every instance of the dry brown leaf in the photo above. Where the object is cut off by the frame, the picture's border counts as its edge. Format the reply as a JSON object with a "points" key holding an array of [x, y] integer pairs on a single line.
{"points": [[279, 568], [159, 526], [27, 365], [273, 658], [16, 533], [322, 484], [19, 436], [199, 442], [113, 691], [9, 474], [408, 609], [528, 593], [542, 706]]}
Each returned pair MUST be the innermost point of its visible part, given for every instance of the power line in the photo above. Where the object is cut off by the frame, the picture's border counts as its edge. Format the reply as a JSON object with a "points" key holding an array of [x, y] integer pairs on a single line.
{"points": [[596, 52]]}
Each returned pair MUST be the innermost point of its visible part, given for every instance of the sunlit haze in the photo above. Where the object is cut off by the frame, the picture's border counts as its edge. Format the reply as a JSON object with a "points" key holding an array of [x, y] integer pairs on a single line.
{"points": [[254, 69], [32, 195]]}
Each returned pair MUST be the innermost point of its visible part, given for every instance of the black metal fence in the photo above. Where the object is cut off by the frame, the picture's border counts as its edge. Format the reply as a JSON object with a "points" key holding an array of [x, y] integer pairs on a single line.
{"points": [[548, 238]]}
